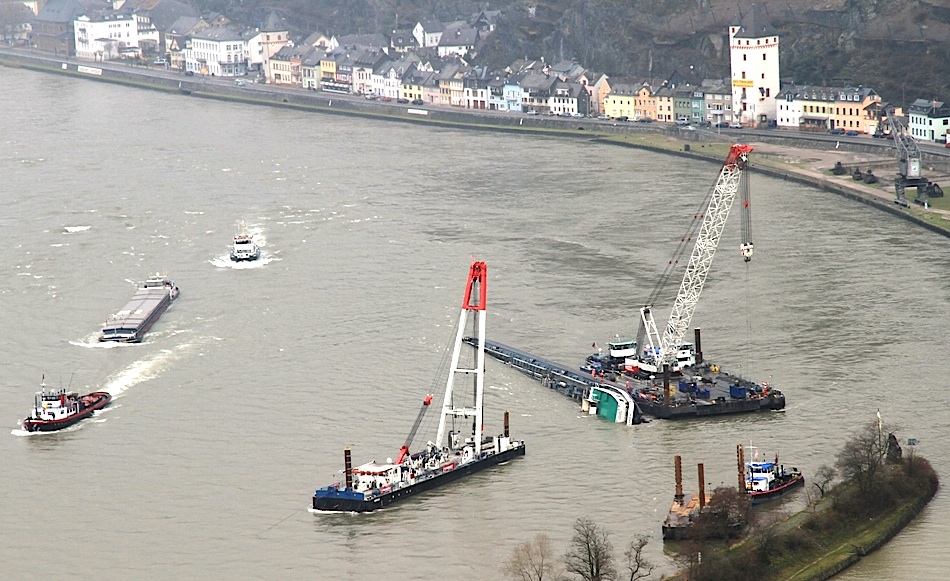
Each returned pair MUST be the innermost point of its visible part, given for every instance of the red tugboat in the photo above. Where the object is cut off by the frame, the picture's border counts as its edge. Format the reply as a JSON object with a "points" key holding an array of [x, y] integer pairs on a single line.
{"points": [[766, 480], [457, 451], [57, 409]]}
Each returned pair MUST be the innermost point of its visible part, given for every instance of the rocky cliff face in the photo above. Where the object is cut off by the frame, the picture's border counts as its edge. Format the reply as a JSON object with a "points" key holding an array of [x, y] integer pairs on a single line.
{"points": [[901, 48]]}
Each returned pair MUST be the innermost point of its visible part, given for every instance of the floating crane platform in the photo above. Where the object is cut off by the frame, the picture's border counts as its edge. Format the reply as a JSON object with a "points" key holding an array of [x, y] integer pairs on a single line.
{"points": [[704, 390]]}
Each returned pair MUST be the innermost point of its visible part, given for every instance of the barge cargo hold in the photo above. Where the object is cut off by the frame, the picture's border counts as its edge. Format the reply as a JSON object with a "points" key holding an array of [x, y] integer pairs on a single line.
{"points": [[456, 452], [701, 391], [135, 319]]}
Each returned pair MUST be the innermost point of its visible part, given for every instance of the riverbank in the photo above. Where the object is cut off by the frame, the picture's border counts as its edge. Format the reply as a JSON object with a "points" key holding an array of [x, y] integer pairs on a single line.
{"points": [[828, 536], [799, 158]]}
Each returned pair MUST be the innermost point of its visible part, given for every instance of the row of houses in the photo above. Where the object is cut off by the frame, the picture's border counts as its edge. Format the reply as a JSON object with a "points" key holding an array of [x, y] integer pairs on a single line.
{"points": [[429, 64]]}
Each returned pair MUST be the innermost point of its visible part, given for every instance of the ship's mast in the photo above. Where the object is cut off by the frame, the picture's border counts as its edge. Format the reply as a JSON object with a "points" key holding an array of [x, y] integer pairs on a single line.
{"points": [[476, 291]]}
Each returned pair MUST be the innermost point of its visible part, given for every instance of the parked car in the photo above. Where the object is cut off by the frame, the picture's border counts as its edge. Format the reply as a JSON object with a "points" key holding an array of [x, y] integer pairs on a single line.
{"points": [[386, 99], [402, 101], [577, 114], [721, 125], [604, 117], [878, 134], [622, 118], [644, 120], [682, 121], [369, 97], [189, 73], [531, 112], [239, 82], [851, 133], [735, 125], [417, 102], [159, 61], [836, 131]]}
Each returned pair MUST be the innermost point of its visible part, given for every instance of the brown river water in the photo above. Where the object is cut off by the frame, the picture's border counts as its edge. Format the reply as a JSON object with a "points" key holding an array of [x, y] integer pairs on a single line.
{"points": [[240, 401]]}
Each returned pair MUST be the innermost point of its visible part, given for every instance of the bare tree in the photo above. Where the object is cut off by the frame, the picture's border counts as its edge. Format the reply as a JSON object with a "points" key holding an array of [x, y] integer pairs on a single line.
{"points": [[863, 456], [532, 561], [726, 514], [823, 478], [591, 555], [636, 564]]}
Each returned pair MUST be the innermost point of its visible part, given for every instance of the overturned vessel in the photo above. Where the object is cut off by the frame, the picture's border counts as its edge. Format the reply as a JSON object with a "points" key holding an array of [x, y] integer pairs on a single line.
{"points": [[455, 453]]}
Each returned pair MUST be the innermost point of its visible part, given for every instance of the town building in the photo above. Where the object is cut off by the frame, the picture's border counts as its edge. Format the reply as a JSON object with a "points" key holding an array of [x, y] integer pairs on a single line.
{"points": [[106, 35], [816, 108], [216, 51], [754, 60], [928, 120]]}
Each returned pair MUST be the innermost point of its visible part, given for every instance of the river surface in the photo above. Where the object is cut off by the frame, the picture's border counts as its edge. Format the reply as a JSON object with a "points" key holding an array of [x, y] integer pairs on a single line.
{"points": [[240, 401]]}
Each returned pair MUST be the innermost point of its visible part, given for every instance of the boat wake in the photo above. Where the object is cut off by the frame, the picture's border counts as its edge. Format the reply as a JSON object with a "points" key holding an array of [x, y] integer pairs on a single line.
{"points": [[71, 229], [224, 261], [92, 341], [141, 371]]}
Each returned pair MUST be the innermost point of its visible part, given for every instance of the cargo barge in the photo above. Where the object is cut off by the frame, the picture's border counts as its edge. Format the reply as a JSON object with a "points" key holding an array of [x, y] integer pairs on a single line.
{"points": [[455, 453], [699, 391], [136, 318]]}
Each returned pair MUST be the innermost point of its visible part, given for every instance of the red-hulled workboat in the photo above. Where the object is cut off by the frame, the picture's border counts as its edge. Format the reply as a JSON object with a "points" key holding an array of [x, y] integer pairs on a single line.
{"points": [[57, 409]]}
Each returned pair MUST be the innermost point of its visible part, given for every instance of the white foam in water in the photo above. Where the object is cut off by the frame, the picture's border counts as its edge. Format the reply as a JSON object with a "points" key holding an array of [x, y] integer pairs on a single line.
{"points": [[225, 261], [140, 371], [71, 229]]}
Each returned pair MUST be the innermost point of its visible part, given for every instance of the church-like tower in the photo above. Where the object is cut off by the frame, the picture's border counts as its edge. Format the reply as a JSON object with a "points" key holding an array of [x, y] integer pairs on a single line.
{"points": [[754, 58]]}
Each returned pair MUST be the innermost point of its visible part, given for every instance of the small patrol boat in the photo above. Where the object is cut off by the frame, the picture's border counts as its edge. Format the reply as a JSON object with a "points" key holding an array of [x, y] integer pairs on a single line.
{"points": [[457, 451], [244, 247], [58, 408]]}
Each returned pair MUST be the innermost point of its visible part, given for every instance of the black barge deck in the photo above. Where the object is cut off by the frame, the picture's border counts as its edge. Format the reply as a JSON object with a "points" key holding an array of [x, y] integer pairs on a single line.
{"points": [[702, 391]]}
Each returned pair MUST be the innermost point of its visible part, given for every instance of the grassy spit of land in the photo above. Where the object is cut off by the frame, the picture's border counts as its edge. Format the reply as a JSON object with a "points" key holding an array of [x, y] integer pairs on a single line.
{"points": [[828, 536]]}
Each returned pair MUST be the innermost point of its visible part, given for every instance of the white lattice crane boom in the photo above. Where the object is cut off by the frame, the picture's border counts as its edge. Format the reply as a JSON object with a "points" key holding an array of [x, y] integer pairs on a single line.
{"points": [[714, 220]]}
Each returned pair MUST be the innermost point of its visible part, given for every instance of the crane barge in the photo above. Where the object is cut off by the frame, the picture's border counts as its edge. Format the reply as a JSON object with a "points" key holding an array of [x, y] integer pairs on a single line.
{"points": [[643, 368], [455, 453]]}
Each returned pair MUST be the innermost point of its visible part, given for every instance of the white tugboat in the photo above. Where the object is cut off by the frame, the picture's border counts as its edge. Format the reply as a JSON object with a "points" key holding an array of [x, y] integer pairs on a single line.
{"points": [[454, 454], [244, 247]]}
